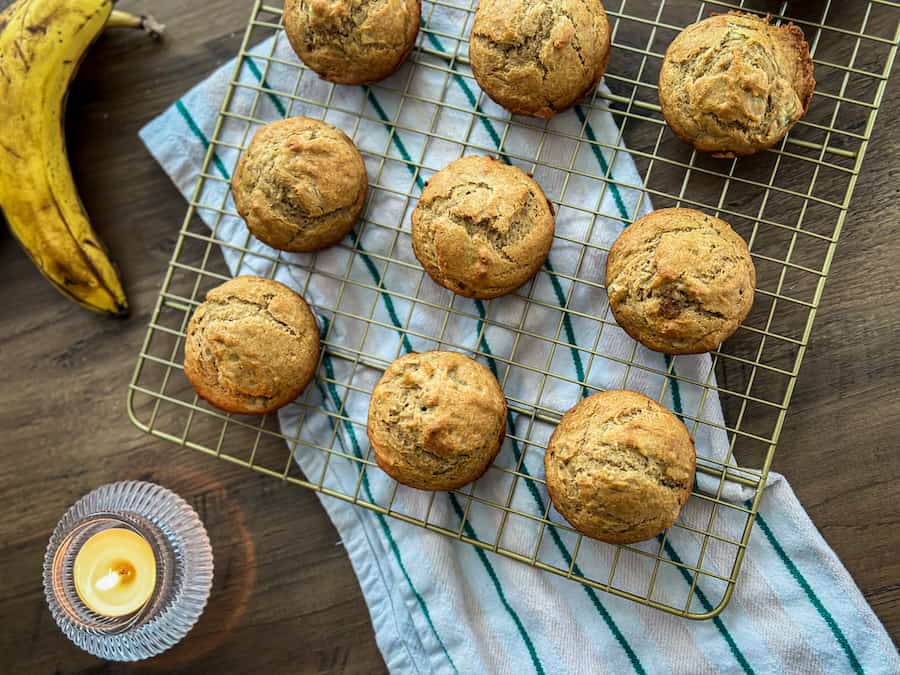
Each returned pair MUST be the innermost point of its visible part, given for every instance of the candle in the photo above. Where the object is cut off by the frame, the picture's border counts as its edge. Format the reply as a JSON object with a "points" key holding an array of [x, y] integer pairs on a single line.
{"points": [[115, 572], [128, 571]]}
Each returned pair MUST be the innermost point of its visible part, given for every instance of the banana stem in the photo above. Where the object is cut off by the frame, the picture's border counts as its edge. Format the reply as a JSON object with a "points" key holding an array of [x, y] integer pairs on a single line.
{"points": [[145, 22]]}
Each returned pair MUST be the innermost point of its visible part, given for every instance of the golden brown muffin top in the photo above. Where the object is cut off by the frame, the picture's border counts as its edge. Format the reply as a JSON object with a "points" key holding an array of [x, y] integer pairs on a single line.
{"points": [[252, 347], [539, 57], [436, 420], [482, 228], [734, 84], [300, 185], [680, 281], [620, 467], [352, 41]]}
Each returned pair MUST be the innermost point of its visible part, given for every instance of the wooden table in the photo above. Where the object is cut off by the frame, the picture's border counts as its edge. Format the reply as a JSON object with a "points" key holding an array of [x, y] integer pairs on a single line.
{"points": [[285, 598]]}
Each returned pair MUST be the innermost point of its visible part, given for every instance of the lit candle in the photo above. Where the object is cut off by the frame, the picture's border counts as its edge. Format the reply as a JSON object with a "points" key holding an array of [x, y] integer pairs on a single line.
{"points": [[115, 572]]}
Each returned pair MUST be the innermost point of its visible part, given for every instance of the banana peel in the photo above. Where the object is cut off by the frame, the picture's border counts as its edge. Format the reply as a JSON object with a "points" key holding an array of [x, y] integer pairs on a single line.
{"points": [[42, 43]]}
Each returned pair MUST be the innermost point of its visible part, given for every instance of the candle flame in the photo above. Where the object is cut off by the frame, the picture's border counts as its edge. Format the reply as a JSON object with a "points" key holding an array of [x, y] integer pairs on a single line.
{"points": [[107, 581]]}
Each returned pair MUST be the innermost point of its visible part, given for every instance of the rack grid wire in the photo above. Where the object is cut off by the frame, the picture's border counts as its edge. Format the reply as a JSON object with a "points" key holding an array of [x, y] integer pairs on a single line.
{"points": [[790, 203]]}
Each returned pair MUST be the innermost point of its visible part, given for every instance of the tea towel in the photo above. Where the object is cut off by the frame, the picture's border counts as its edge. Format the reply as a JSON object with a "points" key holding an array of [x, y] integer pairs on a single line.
{"points": [[440, 606]]}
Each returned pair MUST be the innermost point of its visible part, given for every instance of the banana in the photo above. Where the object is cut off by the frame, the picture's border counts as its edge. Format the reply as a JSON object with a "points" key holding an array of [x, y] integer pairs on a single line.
{"points": [[42, 42]]}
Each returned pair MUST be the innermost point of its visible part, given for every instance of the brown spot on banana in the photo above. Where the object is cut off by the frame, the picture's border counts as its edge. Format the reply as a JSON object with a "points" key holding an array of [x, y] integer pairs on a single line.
{"points": [[60, 271], [86, 261], [49, 19], [88, 18], [22, 55], [10, 151]]}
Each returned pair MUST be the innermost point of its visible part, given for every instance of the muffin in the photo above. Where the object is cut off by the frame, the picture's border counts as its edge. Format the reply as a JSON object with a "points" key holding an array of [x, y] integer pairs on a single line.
{"points": [[482, 228], [680, 281], [352, 41], [734, 84], [539, 57], [300, 185], [252, 347], [436, 420], [620, 467]]}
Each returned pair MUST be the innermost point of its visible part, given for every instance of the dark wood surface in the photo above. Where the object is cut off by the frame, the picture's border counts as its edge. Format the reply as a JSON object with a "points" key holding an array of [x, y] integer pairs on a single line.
{"points": [[285, 598]]}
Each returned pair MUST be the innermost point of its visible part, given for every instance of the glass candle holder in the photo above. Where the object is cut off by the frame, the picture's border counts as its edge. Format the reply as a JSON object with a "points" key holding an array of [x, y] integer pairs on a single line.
{"points": [[184, 570]]}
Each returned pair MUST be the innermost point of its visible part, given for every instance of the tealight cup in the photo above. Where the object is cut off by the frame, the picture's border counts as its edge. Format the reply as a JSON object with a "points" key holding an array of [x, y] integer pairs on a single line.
{"points": [[128, 571]]}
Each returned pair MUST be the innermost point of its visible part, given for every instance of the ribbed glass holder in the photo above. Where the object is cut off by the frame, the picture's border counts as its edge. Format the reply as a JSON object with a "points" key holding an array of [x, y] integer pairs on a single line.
{"points": [[184, 570]]}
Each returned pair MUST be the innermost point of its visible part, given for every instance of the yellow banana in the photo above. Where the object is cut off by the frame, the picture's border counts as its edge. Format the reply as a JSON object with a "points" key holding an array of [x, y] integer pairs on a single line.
{"points": [[42, 43]]}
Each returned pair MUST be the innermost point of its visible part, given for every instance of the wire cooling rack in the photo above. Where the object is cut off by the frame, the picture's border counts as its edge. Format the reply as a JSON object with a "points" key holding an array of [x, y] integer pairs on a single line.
{"points": [[790, 203]]}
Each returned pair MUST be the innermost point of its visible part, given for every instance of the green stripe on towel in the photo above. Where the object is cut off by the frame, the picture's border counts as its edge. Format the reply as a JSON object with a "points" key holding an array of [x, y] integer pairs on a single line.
{"points": [[388, 300], [382, 520], [376, 276], [395, 138], [195, 129], [279, 106], [810, 594], [605, 615], [541, 507], [617, 634], [192, 125], [707, 605], [470, 532], [526, 638], [676, 404]]}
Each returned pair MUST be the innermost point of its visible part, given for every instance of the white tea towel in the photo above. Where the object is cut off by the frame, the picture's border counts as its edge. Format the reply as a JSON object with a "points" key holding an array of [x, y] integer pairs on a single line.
{"points": [[439, 606]]}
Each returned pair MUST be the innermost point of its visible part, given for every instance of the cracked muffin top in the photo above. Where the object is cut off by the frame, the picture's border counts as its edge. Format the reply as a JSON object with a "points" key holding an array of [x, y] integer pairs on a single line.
{"points": [[539, 57], [436, 420], [482, 228], [680, 281], [352, 41], [734, 84], [252, 347], [620, 467], [300, 185]]}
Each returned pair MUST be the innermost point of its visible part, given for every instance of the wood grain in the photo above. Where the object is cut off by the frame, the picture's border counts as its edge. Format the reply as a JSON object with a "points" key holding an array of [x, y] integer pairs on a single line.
{"points": [[285, 597]]}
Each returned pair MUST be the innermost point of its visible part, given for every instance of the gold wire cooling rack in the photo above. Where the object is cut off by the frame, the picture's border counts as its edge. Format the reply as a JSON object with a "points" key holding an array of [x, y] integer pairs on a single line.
{"points": [[790, 204]]}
